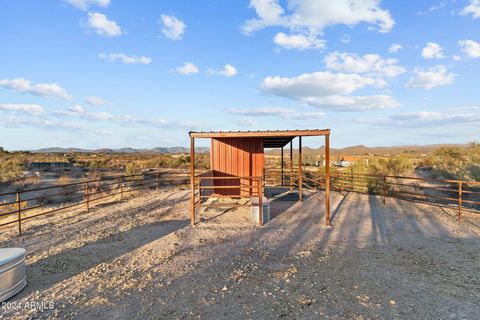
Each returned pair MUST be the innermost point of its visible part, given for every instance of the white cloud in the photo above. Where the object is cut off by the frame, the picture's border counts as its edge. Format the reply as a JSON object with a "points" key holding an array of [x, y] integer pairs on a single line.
{"points": [[456, 57], [32, 109], [187, 68], [430, 78], [329, 90], [471, 48], [173, 28], [298, 41], [96, 101], [433, 51], [353, 103], [228, 71], [473, 8], [425, 119], [246, 123], [284, 113], [311, 17], [371, 64], [394, 48], [112, 57], [345, 39], [84, 4], [40, 89], [317, 84], [102, 25]]}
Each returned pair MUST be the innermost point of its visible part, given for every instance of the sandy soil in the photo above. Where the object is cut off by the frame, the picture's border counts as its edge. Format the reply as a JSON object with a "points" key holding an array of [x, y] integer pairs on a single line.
{"points": [[141, 259]]}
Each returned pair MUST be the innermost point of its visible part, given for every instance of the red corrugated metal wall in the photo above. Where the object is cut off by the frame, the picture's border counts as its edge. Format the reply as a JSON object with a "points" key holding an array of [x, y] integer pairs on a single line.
{"points": [[236, 157]]}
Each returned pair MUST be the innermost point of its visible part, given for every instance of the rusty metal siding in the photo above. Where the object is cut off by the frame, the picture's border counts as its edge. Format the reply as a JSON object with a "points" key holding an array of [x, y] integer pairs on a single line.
{"points": [[236, 157]]}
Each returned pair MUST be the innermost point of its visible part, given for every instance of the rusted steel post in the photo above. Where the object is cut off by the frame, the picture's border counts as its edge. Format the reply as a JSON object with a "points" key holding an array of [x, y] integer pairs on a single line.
{"points": [[281, 165], [351, 179], [260, 201], [384, 189], [87, 196], [291, 166], [460, 200], [121, 188], [192, 179], [19, 211], [300, 173], [327, 180]]}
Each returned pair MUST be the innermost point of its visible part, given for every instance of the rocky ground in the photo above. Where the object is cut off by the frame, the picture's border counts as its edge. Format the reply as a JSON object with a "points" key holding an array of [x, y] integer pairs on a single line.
{"points": [[140, 259]]}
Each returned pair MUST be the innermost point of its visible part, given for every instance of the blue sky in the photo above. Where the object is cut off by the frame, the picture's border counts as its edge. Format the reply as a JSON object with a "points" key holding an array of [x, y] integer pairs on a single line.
{"points": [[117, 73]]}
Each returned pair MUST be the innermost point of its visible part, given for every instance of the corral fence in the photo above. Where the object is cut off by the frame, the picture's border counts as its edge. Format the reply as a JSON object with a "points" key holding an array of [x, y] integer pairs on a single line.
{"points": [[214, 186], [19, 206], [463, 196]]}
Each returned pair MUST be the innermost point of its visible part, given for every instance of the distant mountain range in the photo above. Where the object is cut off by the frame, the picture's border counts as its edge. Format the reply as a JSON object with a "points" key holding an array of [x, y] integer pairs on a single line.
{"points": [[353, 150], [364, 150], [166, 150]]}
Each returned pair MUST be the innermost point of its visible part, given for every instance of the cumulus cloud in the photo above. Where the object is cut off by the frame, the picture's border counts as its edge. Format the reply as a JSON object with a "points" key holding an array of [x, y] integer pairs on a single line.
{"points": [[246, 122], [298, 41], [112, 57], [370, 64], [470, 48], [40, 89], [102, 25], [228, 71], [85, 4], [433, 51], [329, 90], [31, 109], [173, 28], [96, 101], [473, 8], [284, 113], [430, 78], [187, 68], [424, 119], [310, 17], [394, 48]]}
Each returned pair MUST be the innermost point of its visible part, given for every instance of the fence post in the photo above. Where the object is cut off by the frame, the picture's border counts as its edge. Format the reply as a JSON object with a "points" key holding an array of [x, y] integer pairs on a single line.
{"points": [[384, 188], [87, 196], [260, 201], [459, 200], [121, 188], [19, 208], [351, 179]]}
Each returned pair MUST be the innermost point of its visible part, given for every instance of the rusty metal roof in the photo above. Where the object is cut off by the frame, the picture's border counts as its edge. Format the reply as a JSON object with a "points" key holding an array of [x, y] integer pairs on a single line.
{"points": [[272, 138]]}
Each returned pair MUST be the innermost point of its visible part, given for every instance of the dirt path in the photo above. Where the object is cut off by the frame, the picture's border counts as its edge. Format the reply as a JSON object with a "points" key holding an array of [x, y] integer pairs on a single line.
{"points": [[141, 259]]}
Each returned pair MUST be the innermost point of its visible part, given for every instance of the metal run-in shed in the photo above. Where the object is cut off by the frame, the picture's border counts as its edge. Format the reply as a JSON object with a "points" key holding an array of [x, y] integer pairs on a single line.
{"points": [[237, 165]]}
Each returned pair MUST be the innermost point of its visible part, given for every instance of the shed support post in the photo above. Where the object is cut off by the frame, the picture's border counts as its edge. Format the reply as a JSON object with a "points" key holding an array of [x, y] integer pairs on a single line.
{"points": [[300, 174], [327, 180], [291, 165], [192, 179], [281, 165]]}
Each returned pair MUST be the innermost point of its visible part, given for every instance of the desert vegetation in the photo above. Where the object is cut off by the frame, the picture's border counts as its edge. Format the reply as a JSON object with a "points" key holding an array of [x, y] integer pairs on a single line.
{"points": [[455, 163]]}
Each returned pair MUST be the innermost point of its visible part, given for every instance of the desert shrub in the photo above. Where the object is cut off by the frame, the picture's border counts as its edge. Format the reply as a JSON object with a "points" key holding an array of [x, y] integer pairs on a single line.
{"points": [[455, 162]]}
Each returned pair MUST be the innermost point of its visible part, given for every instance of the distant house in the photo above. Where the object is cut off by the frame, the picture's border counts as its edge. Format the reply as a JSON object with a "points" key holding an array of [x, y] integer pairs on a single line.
{"points": [[50, 166]]}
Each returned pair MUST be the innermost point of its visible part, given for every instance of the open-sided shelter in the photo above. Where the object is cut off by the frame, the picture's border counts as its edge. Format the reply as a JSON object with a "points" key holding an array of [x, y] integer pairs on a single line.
{"points": [[237, 163]]}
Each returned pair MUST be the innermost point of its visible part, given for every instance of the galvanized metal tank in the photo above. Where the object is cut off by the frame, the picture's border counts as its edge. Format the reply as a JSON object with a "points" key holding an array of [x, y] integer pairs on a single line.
{"points": [[12, 272]]}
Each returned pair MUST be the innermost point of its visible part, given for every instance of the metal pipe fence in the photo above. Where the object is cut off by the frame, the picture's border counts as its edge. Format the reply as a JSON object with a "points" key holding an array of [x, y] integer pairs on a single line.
{"points": [[463, 196], [18, 206], [208, 186]]}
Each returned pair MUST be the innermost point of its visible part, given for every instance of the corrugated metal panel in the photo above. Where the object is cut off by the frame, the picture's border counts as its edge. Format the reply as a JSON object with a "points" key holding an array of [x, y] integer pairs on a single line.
{"points": [[236, 157]]}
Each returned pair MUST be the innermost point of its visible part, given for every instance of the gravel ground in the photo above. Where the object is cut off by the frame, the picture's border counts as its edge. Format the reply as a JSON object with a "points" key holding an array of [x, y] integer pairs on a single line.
{"points": [[140, 259]]}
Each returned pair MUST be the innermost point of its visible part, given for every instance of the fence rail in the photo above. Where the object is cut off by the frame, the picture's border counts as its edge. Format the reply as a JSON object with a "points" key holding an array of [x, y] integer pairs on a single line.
{"points": [[18, 206], [464, 196]]}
